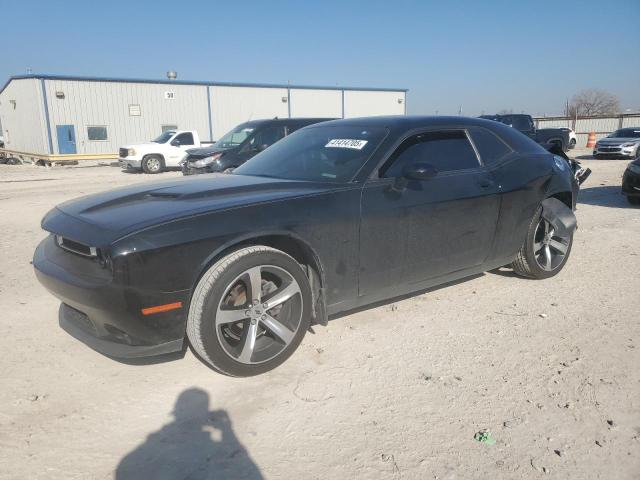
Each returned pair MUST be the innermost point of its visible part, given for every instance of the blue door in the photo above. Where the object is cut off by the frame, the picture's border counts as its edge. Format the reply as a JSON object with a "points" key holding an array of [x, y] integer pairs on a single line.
{"points": [[66, 139]]}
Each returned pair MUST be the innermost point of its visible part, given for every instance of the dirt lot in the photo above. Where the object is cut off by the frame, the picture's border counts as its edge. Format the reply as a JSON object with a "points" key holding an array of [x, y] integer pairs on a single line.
{"points": [[550, 368]]}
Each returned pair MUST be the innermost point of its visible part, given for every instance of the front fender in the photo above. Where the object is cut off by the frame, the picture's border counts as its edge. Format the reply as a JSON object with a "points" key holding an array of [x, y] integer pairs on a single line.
{"points": [[560, 216]]}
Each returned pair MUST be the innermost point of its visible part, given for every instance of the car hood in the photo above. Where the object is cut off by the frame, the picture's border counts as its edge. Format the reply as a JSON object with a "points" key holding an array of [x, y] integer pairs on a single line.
{"points": [[102, 218], [198, 153], [617, 141]]}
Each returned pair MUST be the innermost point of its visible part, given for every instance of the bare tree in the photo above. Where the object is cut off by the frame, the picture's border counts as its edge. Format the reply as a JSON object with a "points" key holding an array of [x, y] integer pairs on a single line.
{"points": [[504, 111], [592, 102]]}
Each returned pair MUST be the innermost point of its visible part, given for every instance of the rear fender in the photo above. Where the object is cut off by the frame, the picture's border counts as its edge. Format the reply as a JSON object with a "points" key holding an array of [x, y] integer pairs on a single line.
{"points": [[559, 216]]}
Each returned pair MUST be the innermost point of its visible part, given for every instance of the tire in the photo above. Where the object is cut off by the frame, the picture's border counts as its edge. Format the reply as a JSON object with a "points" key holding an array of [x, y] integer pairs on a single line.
{"points": [[241, 336], [532, 260], [572, 143], [152, 164], [633, 200]]}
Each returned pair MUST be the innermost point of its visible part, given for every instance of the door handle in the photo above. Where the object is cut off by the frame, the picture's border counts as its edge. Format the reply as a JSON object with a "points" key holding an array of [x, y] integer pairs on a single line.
{"points": [[486, 183]]}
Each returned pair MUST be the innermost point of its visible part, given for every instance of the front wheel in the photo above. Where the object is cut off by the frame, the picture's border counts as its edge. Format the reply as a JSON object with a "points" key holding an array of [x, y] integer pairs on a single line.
{"points": [[544, 252], [249, 311], [572, 143], [152, 164]]}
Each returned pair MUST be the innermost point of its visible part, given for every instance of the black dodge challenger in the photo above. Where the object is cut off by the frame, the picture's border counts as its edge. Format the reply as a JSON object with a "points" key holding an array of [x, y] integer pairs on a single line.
{"points": [[335, 216]]}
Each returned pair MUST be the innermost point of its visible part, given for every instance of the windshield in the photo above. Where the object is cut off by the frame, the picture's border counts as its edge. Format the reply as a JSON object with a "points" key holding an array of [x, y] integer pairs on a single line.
{"points": [[235, 137], [321, 154], [164, 138], [626, 133]]}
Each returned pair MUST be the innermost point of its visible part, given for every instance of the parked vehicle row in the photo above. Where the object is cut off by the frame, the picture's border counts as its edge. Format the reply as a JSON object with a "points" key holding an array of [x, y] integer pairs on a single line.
{"points": [[335, 216], [547, 137]]}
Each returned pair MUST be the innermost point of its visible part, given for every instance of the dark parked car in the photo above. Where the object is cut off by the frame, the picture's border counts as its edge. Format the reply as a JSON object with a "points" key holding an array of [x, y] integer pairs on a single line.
{"points": [[631, 182], [547, 137], [336, 216], [241, 144], [623, 143]]}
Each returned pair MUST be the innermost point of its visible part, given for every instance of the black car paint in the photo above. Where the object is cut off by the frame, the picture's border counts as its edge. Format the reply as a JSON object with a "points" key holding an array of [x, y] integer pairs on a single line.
{"points": [[367, 240], [631, 181], [544, 136], [236, 156]]}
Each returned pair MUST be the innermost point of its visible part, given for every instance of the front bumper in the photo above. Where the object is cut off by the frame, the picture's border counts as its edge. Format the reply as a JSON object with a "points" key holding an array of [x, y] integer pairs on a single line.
{"points": [[105, 315], [615, 151], [191, 170], [129, 163], [631, 183]]}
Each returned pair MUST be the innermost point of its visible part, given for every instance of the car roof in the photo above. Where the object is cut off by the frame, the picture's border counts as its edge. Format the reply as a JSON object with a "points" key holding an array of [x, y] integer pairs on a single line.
{"points": [[409, 122], [284, 121]]}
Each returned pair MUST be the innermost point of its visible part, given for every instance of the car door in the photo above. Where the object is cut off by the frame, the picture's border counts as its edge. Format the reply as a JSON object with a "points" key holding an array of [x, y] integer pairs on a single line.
{"points": [[416, 230], [262, 139], [178, 148]]}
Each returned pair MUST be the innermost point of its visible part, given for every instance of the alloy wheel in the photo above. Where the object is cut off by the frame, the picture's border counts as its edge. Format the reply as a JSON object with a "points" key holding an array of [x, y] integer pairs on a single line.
{"points": [[259, 314], [549, 248]]}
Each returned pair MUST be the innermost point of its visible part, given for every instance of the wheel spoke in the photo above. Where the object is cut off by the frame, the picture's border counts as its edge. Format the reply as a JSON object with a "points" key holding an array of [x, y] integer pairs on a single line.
{"points": [[249, 343], [558, 246], [255, 284], [281, 296], [547, 257], [278, 329], [230, 316]]}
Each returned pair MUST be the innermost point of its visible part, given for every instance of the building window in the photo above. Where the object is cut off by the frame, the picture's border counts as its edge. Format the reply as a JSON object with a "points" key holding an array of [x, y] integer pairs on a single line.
{"points": [[166, 128], [97, 134]]}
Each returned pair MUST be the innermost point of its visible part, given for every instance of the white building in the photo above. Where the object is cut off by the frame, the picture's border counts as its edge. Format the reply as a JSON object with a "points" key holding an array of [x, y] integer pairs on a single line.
{"points": [[50, 114]]}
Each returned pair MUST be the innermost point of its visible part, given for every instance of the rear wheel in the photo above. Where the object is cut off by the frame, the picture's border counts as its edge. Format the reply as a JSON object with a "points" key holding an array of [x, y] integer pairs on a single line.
{"points": [[249, 311], [572, 143], [152, 164], [544, 252]]}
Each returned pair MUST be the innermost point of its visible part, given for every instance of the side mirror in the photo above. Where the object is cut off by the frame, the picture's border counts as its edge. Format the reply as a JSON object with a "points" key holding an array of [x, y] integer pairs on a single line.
{"points": [[262, 147], [175, 143], [419, 171]]}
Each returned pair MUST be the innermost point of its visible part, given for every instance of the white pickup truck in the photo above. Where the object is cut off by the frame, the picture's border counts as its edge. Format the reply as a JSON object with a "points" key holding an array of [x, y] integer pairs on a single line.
{"points": [[165, 152]]}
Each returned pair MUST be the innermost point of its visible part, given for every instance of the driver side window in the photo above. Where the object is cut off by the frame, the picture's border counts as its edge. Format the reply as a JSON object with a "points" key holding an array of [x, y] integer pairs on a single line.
{"points": [[267, 136], [447, 150]]}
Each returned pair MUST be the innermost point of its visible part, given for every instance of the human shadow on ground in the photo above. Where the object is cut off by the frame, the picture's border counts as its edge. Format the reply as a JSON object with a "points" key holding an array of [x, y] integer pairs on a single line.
{"points": [[186, 448], [604, 196]]}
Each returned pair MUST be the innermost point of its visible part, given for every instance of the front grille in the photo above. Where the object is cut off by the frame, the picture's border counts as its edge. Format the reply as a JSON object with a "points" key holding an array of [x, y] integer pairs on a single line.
{"points": [[124, 152], [76, 247], [609, 149]]}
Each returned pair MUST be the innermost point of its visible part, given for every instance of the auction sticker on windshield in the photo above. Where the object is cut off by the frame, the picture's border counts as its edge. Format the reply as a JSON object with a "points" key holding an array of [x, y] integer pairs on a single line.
{"points": [[346, 143]]}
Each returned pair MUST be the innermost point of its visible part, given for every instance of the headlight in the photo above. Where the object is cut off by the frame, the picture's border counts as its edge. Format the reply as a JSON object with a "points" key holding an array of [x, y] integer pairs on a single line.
{"points": [[634, 168], [203, 162], [131, 152], [628, 144]]}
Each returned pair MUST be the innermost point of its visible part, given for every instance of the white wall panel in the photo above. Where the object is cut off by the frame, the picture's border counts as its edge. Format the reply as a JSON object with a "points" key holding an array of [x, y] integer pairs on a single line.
{"points": [[231, 106], [95, 103], [24, 126], [316, 103], [359, 103]]}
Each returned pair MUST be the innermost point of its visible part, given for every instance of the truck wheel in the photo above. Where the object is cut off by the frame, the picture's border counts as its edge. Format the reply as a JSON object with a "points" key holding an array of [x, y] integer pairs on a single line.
{"points": [[152, 164], [544, 253], [249, 311], [572, 143]]}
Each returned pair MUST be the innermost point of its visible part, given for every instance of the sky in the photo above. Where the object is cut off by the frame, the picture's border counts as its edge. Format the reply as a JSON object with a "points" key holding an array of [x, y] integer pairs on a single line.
{"points": [[470, 56]]}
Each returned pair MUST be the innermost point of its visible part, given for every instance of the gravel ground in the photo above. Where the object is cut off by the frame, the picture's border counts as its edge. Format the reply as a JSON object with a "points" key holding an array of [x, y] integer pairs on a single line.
{"points": [[549, 368]]}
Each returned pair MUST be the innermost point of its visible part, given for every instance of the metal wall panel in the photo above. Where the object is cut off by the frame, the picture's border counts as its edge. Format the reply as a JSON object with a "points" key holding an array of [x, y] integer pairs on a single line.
{"points": [[368, 103], [316, 103], [88, 103], [631, 121], [231, 106], [24, 127]]}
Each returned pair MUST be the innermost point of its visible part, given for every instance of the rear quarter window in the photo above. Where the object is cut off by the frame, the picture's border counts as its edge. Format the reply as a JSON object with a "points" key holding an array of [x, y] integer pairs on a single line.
{"points": [[491, 148]]}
